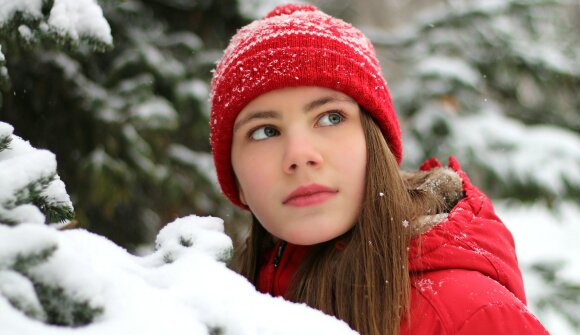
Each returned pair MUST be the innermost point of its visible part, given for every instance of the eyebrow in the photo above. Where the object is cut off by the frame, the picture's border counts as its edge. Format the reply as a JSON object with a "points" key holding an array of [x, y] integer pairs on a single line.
{"points": [[275, 115]]}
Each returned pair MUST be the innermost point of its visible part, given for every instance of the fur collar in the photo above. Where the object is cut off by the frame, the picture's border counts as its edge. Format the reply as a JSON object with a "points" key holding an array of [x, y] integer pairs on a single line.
{"points": [[441, 182]]}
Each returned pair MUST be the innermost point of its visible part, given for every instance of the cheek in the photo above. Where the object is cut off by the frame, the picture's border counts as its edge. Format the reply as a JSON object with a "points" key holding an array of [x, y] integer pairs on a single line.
{"points": [[252, 181], [354, 162], [254, 172]]}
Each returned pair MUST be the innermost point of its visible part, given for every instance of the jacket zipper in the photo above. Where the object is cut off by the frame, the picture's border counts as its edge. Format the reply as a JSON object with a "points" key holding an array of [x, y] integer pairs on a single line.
{"points": [[278, 257]]}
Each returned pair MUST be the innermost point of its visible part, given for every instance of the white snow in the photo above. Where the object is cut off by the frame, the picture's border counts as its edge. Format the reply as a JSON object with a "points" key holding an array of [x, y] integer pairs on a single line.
{"points": [[202, 161], [99, 159], [198, 89], [25, 240], [17, 172], [163, 63], [453, 68], [56, 192], [545, 154], [25, 32], [133, 84], [23, 213], [73, 18], [30, 8], [77, 18], [19, 290], [206, 236], [5, 128], [140, 152], [22, 165], [155, 112], [69, 66], [186, 39], [146, 295], [542, 235]]}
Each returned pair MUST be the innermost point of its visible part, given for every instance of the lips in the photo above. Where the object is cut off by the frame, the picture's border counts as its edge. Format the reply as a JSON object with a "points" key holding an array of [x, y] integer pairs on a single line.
{"points": [[309, 195]]}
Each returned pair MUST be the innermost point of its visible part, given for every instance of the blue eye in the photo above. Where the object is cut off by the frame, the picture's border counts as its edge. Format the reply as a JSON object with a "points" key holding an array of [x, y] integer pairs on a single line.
{"points": [[263, 133], [330, 119]]}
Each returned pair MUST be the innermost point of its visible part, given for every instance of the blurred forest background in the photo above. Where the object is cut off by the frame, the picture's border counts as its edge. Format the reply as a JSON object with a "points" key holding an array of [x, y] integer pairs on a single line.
{"points": [[496, 83]]}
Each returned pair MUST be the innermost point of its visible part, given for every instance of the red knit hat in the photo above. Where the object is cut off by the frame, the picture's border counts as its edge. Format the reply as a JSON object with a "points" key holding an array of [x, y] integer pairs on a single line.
{"points": [[295, 45]]}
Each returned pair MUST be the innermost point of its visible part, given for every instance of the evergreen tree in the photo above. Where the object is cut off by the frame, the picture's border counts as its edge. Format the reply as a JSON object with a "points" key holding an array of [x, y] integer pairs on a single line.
{"points": [[495, 83], [129, 122], [60, 24], [31, 190], [32, 194]]}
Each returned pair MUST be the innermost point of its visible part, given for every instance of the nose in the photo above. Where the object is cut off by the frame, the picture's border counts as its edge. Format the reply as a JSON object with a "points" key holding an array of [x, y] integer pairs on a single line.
{"points": [[300, 153]]}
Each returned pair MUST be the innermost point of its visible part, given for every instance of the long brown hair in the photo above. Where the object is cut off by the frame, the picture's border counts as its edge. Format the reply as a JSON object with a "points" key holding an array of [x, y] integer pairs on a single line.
{"points": [[366, 283]]}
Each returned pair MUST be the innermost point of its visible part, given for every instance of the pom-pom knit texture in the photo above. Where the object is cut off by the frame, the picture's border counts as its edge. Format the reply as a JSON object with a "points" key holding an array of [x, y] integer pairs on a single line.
{"points": [[294, 45]]}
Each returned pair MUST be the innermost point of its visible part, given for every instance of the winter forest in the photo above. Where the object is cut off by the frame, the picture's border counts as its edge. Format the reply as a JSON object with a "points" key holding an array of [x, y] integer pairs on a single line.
{"points": [[111, 218]]}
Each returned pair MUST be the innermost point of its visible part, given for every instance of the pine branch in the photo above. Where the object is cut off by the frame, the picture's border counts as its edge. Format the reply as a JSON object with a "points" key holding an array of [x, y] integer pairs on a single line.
{"points": [[58, 307], [55, 212], [27, 27], [19, 291], [4, 80], [564, 295], [7, 221], [32, 194], [62, 309], [5, 142], [454, 17], [24, 262]]}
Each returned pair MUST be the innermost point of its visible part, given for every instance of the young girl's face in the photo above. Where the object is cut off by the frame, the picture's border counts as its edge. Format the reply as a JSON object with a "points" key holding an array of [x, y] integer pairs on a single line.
{"points": [[299, 155]]}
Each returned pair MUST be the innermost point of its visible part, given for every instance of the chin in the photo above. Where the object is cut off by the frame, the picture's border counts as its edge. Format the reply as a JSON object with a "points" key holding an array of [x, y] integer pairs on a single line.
{"points": [[302, 238]]}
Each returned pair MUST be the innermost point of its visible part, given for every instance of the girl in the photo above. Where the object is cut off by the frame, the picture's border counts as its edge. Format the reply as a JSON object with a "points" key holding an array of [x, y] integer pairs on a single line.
{"points": [[305, 137]]}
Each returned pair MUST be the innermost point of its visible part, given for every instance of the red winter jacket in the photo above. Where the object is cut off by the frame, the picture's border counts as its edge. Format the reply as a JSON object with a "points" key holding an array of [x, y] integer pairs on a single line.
{"points": [[465, 278]]}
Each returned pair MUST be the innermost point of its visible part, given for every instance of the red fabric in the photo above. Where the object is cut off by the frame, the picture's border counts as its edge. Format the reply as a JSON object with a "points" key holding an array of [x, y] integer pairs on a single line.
{"points": [[430, 164], [465, 274], [465, 277], [276, 279], [295, 45]]}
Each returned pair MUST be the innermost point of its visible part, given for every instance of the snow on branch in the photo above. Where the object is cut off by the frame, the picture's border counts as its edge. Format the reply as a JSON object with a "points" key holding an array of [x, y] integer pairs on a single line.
{"points": [[68, 20], [3, 70], [76, 18], [181, 288], [457, 13], [30, 189]]}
